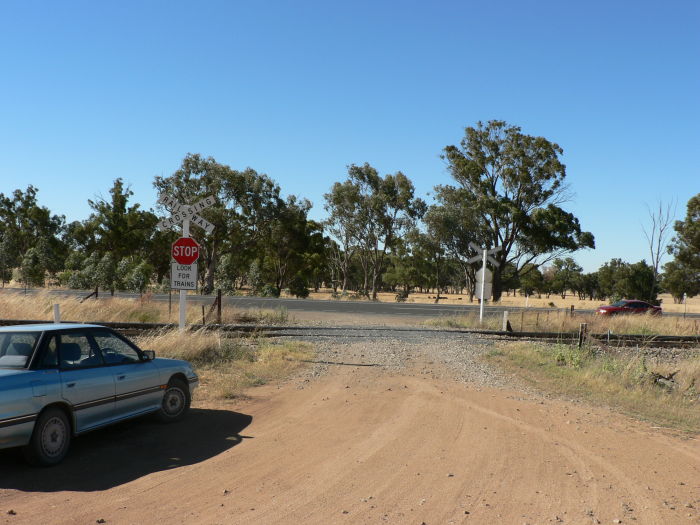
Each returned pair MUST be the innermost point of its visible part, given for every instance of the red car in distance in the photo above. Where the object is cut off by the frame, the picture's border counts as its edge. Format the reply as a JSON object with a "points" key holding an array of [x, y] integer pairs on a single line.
{"points": [[627, 306]]}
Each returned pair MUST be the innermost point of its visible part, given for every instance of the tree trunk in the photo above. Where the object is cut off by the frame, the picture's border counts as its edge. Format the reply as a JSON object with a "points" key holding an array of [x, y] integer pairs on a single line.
{"points": [[211, 270], [374, 285], [497, 285]]}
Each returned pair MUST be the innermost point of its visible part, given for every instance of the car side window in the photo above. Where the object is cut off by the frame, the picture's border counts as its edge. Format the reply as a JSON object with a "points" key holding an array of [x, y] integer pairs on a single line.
{"points": [[75, 351], [114, 349], [49, 359], [16, 348]]}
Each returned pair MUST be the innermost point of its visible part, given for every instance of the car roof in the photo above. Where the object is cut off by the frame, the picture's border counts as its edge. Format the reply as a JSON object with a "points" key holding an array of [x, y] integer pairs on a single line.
{"points": [[46, 327]]}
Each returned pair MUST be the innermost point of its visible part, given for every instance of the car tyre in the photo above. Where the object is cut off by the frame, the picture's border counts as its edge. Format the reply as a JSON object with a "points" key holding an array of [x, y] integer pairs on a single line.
{"points": [[176, 402], [50, 439]]}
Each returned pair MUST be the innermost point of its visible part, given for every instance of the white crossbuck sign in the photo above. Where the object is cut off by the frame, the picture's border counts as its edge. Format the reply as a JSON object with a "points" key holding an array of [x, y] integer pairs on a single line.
{"points": [[183, 212]]}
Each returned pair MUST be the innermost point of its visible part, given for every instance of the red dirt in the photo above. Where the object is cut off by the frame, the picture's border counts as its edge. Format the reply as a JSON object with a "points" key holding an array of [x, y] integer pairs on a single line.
{"points": [[361, 445]]}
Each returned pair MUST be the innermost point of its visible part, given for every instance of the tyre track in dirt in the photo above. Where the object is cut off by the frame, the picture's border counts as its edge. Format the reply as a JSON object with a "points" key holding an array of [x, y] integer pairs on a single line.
{"points": [[401, 442]]}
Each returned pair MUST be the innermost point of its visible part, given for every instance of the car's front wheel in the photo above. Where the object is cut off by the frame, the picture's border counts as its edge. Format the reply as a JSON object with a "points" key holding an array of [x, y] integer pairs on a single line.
{"points": [[176, 401], [50, 439]]}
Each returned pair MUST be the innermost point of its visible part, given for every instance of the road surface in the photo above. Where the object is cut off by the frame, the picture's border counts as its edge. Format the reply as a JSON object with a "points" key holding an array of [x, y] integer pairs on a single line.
{"points": [[405, 431]]}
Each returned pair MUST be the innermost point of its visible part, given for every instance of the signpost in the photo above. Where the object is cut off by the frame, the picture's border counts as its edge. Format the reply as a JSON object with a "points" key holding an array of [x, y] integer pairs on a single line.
{"points": [[483, 276], [183, 272], [185, 251]]}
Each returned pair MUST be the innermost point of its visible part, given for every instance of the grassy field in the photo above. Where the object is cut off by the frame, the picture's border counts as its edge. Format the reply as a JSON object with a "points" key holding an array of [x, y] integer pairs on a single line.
{"points": [[632, 383], [560, 321], [227, 366], [554, 301], [114, 309]]}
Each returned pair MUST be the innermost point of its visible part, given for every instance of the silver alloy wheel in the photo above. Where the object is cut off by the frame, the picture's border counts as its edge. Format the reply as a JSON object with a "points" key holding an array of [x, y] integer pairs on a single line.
{"points": [[173, 401], [53, 437]]}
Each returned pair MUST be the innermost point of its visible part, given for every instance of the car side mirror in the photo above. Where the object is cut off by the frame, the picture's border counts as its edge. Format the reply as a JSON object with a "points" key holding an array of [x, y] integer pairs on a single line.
{"points": [[149, 355]]}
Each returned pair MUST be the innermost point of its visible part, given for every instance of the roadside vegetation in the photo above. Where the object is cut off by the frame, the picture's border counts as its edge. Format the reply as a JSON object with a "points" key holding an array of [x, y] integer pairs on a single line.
{"points": [[39, 306], [561, 321], [227, 366], [379, 236], [663, 392]]}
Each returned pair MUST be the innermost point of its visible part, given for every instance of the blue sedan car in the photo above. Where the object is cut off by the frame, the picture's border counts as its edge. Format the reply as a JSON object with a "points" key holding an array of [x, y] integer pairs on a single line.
{"points": [[61, 380]]}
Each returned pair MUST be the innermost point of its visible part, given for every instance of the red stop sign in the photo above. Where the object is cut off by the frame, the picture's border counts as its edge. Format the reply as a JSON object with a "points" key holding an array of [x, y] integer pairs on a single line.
{"points": [[185, 250]]}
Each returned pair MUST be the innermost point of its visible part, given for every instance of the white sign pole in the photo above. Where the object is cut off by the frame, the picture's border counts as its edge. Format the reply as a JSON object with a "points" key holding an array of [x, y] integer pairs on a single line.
{"points": [[483, 287], [183, 293]]}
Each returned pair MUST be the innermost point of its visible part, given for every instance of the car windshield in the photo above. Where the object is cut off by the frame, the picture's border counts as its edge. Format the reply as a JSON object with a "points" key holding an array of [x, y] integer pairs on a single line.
{"points": [[16, 348], [619, 303]]}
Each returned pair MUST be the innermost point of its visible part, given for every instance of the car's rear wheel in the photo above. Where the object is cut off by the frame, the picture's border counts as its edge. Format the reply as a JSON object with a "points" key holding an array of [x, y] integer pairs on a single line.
{"points": [[176, 402], [50, 440]]}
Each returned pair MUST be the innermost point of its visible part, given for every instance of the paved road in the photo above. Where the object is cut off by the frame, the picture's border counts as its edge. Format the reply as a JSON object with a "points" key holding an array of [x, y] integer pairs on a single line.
{"points": [[337, 307]]}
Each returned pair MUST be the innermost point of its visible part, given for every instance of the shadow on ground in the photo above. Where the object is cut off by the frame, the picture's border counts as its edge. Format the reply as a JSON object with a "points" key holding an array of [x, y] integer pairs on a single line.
{"points": [[122, 453]]}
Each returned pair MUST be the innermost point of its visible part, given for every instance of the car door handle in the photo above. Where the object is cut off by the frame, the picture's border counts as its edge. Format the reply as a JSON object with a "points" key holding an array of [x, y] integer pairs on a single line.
{"points": [[70, 385], [121, 377]]}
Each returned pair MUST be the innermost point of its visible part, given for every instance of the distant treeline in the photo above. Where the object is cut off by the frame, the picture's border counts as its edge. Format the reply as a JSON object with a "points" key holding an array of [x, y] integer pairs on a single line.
{"points": [[507, 190]]}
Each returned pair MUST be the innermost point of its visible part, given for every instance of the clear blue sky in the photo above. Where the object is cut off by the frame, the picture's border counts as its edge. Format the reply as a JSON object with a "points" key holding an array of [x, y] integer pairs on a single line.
{"points": [[91, 91]]}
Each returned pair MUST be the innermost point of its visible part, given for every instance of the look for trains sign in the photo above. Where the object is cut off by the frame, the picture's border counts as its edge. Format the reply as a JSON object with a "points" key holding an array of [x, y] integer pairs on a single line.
{"points": [[183, 272]]}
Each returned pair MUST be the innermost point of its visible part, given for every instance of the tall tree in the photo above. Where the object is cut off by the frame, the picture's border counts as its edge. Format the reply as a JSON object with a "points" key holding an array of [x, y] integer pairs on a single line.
{"points": [[387, 209], [566, 272], [246, 202], [656, 234], [24, 224], [680, 280], [457, 226], [343, 207], [621, 280], [683, 273], [515, 183], [116, 227]]}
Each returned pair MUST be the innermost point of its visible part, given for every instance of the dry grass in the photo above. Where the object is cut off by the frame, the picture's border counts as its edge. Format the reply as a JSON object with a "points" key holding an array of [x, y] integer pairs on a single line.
{"points": [[561, 321], [631, 383], [668, 305], [39, 306], [228, 366]]}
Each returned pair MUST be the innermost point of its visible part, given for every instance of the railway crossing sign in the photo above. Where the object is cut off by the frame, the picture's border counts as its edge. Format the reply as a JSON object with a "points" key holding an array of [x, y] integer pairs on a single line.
{"points": [[181, 213], [185, 251], [479, 250], [483, 276], [484, 279]]}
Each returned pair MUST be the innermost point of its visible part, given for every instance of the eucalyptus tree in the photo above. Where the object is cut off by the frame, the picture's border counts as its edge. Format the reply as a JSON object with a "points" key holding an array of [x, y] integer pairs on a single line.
{"points": [[24, 225], [618, 279], [343, 207], [566, 273], [682, 275], [246, 202], [386, 210], [515, 183], [457, 227], [288, 242]]}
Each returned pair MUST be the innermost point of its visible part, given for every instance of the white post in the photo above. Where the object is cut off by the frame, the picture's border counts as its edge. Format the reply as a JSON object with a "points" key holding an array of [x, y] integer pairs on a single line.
{"points": [[505, 320], [483, 287], [57, 313], [183, 293]]}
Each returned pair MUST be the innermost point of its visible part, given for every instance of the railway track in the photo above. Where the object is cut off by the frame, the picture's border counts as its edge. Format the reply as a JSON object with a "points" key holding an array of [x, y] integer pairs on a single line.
{"points": [[608, 339]]}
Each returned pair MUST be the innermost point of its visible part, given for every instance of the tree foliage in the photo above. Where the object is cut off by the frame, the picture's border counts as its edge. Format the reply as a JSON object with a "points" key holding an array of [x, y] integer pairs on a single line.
{"points": [[514, 183]]}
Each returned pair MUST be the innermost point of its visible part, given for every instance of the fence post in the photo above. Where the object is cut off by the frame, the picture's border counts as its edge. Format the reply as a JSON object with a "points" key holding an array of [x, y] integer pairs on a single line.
{"points": [[57, 313], [572, 310], [218, 306], [582, 329], [505, 320], [522, 315]]}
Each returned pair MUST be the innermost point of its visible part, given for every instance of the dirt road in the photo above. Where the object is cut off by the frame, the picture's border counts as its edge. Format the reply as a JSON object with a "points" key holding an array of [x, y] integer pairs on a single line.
{"points": [[369, 441]]}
